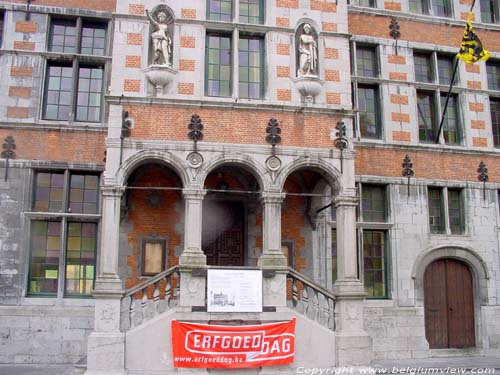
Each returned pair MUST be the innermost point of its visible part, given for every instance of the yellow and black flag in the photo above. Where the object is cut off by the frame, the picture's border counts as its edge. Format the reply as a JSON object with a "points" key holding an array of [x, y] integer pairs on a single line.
{"points": [[471, 48]]}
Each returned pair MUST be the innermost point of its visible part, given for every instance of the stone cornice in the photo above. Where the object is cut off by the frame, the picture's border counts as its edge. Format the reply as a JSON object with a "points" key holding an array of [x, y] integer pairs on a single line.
{"points": [[228, 104]]}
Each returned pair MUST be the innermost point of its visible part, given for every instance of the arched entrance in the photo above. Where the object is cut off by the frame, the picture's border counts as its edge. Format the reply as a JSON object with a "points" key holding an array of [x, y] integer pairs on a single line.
{"points": [[231, 211], [449, 304]]}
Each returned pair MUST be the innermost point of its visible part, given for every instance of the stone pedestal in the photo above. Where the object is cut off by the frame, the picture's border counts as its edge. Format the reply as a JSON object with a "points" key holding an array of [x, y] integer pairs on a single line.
{"points": [[192, 288], [160, 76], [309, 87], [353, 344], [106, 344]]}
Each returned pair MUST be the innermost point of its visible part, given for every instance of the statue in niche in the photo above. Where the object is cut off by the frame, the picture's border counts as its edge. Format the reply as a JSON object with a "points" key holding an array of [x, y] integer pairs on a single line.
{"points": [[162, 44], [308, 52]]}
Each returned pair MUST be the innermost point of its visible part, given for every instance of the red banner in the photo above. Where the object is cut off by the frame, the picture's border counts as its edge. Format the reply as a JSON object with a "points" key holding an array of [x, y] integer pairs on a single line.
{"points": [[217, 346]]}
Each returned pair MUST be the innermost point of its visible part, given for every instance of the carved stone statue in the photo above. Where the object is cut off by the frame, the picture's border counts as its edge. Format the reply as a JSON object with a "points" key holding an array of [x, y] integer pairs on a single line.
{"points": [[162, 44], [308, 53]]}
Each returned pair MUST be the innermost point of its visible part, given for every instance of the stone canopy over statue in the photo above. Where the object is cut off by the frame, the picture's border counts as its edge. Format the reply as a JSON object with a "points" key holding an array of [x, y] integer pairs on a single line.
{"points": [[161, 19], [307, 50]]}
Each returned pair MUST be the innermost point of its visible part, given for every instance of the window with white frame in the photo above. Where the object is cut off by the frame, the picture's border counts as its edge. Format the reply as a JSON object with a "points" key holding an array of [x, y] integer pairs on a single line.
{"points": [[446, 214], [64, 220], [433, 74], [74, 80], [366, 91]]}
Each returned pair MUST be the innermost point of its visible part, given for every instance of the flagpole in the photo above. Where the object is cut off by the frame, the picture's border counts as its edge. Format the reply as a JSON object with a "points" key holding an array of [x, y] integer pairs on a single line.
{"points": [[449, 89], [447, 99]]}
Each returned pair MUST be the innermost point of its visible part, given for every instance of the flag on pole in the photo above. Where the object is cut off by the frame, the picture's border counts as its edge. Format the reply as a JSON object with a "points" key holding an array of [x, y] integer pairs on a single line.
{"points": [[471, 48]]}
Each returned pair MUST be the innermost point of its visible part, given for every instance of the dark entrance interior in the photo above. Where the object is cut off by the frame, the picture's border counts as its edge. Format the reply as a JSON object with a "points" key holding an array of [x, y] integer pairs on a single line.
{"points": [[449, 306], [223, 233]]}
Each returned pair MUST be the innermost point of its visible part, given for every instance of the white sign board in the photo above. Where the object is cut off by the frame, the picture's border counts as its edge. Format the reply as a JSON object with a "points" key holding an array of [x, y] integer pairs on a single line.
{"points": [[234, 290]]}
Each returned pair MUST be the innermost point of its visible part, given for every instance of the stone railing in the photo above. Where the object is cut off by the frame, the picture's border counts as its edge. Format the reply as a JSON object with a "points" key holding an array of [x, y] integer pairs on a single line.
{"points": [[150, 298], [310, 299], [161, 293]]}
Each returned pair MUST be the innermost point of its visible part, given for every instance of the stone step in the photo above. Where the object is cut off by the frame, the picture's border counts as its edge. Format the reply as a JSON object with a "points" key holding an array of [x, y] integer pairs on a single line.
{"points": [[452, 352], [81, 366]]}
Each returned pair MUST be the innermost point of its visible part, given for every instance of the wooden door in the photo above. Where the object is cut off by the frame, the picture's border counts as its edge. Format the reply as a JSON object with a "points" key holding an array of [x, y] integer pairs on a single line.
{"points": [[222, 234], [449, 306]]}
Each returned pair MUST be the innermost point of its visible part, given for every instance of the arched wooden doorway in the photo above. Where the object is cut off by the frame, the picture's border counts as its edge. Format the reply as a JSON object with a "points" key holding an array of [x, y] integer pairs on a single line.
{"points": [[227, 229], [449, 305]]}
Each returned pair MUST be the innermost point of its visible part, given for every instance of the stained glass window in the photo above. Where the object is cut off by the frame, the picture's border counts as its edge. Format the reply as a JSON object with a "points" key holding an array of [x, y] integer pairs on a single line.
{"points": [[80, 258], [251, 67], [64, 239], [45, 254], [374, 260], [373, 203], [220, 10], [63, 36], [73, 84], [219, 65], [252, 11]]}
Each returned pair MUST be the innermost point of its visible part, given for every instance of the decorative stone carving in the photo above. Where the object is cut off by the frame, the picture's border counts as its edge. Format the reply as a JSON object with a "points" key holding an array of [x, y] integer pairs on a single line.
{"points": [[309, 87], [160, 73], [160, 76], [162, 43], [307, 81], [307, 48]]}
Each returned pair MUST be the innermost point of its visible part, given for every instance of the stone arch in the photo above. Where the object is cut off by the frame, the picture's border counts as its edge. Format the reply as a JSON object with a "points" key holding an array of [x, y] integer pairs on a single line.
{"points": [[325, 169], [464, 254], [241, 160], [148, 156], [313, 23]]}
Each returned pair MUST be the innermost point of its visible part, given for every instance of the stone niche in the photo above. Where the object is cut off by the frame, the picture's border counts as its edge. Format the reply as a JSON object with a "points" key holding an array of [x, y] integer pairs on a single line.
{"points": [[159, 72], [306, 46]]}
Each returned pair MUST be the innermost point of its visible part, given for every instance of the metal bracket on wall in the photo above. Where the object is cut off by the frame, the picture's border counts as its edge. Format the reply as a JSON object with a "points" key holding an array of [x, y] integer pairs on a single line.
{"points": [[273, 134], [341, 142], [407, 170], [8, 153], [394, 33], [483, 176]]}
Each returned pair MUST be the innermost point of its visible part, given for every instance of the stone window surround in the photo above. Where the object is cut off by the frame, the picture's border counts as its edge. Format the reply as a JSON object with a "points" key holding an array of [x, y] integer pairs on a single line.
{"points": [[377, 226], [438, 92], [235, 36], [446, 213], [64, 218], [75, 60]]}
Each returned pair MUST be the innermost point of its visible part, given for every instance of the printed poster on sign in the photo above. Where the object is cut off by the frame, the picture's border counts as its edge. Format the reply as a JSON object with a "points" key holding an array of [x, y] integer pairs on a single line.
{"points": [[234, 290], [217, 346]]}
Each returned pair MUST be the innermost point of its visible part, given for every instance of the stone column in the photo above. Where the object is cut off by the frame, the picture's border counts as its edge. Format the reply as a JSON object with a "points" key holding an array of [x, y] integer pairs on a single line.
{"points": [[192, 287], [353, 346], [106, 344], [272, 254], [274, 286], [193, 254]]}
